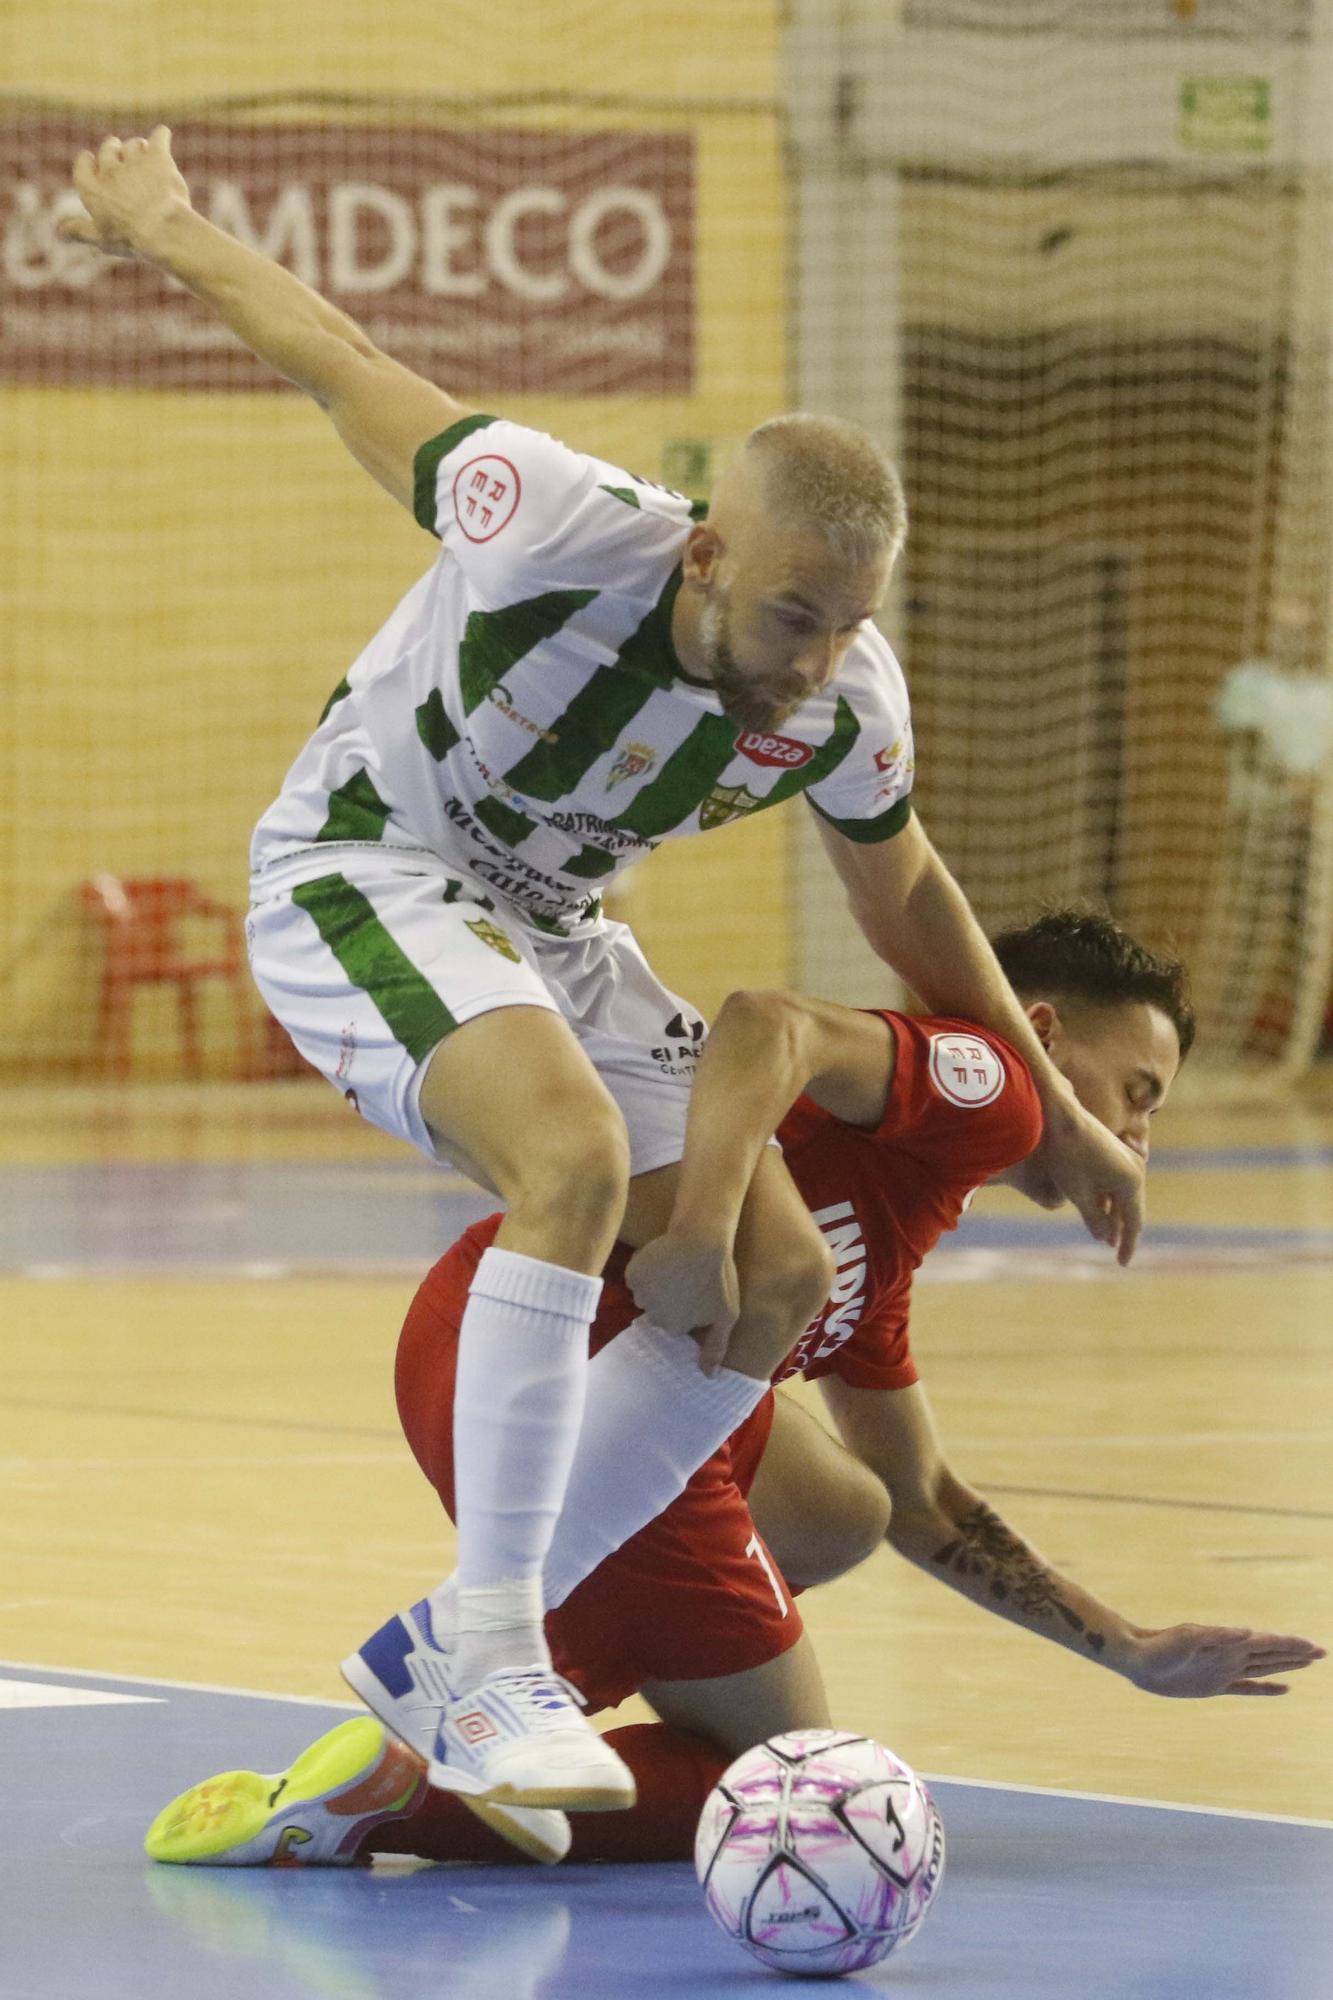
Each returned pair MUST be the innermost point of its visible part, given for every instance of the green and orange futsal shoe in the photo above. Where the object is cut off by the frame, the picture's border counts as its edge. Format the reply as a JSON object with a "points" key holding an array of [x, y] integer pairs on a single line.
{"points": [[355, 1778]]}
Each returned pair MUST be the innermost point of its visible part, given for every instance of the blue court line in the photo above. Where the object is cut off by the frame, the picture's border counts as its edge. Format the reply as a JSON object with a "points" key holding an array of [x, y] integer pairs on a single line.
{"points": [[1048, 1232], [1046, 1896], [1249, 1159], [264, 1220], [214, 1215]]}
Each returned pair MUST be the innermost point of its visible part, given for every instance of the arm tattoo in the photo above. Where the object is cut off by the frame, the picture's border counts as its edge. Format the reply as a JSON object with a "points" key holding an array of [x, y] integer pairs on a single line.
{"points": [[984, 1547]]}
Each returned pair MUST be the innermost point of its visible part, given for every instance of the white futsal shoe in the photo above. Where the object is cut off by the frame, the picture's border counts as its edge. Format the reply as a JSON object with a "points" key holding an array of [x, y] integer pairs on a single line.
{"points": [[402, 1674], [519, 1738]]}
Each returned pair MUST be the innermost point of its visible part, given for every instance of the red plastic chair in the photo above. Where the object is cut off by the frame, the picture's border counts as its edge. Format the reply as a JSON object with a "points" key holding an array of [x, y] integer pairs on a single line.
{"points": [[141, 920]]}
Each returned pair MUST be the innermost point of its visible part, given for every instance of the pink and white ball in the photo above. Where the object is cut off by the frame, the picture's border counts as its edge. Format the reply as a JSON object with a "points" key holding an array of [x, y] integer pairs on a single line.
{"points": [[819, 1851]]}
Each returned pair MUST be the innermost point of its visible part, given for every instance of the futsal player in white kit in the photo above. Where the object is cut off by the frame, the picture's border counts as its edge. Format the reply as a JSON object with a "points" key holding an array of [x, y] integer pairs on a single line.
{"points": [[586, 671]]}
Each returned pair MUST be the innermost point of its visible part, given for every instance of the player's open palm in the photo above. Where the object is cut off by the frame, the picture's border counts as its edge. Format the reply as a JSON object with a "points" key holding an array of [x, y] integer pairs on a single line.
{"points": [[688, 1285], [1194, 1661], [129, 188]]}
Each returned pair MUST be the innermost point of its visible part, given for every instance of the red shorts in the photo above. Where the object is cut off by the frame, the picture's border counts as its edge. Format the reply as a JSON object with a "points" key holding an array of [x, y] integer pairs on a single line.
{"points": [[692, 1596]]}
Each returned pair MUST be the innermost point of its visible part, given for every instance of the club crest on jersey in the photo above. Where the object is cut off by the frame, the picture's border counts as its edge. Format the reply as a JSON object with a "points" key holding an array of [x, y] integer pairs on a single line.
{"points": [[965, 1070], [486, 496], [633, 761], [782, 751], [726, 802], [492, 935]]}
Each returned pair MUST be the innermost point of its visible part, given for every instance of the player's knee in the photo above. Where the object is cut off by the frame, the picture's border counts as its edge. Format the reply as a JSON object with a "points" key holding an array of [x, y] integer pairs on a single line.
{"points": [[864, 1518], [577, 1162], [844, 1534]]}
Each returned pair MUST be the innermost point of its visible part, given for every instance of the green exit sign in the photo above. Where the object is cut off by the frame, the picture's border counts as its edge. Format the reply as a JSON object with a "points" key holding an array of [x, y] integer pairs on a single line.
{"points": [[1226, 114]]}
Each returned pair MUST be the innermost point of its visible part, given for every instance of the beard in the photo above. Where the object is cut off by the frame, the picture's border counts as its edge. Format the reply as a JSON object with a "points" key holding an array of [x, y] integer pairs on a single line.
{"points": [[751, 703]]}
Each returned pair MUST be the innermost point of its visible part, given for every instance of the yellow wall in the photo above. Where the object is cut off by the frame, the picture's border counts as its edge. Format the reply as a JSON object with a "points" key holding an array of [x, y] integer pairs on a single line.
{"points": [[191, 574]]}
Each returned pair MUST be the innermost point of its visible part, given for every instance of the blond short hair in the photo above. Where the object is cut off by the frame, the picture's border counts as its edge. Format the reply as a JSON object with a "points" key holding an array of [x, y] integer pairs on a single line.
{"points": [[828, 474]]}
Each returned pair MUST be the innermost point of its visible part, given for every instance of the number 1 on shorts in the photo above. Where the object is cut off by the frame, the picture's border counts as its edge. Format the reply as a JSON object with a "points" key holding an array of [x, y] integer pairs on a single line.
{"points": [[754, 1547]]}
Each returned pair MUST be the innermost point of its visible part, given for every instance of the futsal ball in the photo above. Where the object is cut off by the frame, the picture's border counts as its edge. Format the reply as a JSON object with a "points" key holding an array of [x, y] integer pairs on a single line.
{"points": [[819, 1851]]}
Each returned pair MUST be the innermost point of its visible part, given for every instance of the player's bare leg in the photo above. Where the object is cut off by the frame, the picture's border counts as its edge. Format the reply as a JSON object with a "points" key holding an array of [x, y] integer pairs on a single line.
{"points": [[511, 1095], [654, 1417], [819, 1509], [737, 1711]]}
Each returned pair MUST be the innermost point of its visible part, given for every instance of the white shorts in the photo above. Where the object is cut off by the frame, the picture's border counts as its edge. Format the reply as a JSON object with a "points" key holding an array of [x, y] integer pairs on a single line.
{"points": [[371, 964]]}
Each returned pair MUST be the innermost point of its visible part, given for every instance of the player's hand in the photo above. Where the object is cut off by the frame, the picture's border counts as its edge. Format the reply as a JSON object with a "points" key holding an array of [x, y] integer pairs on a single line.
{"points": [[1079, 1159], [131, 188], [1192, 1662], [688, 1285]]}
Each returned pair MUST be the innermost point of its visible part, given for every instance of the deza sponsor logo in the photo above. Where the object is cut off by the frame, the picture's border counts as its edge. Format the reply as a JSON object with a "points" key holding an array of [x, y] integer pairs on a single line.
{"points": [[782, 751]]}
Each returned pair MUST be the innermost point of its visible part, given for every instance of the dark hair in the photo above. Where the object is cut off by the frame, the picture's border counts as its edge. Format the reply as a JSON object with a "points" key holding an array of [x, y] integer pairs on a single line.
{"points": [[1085, 955]]}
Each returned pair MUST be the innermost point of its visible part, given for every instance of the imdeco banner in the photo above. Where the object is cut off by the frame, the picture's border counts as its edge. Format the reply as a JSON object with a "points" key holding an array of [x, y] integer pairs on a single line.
{"points": [[495, 258]]}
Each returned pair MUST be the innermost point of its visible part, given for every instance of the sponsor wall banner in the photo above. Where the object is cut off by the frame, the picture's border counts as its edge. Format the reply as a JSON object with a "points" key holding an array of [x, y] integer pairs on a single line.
{"points": [[496, 258]]}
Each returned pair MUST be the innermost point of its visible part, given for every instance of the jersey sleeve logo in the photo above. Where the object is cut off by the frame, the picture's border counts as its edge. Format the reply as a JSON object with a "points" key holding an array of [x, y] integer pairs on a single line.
{"points": [[486, 496], [965, 1070]]}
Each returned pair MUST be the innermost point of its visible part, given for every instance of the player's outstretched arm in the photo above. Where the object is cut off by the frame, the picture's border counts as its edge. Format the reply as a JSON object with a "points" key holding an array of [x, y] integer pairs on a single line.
{"points": [[764, 1049], [138, 205], [948, 1530], [918, 920]]}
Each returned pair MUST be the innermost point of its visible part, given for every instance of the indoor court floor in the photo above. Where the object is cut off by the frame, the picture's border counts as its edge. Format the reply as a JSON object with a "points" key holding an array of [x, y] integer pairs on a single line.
{"points": [[207, 1503]]}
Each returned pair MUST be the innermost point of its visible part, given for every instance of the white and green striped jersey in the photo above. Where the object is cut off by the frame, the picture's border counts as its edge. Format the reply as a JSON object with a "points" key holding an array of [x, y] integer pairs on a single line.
{"points": [[523, 712]]}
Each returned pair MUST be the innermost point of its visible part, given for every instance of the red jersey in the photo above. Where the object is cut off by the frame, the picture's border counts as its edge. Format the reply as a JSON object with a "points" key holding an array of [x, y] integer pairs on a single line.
{"points": [[962, 1106], [696, 1593]]}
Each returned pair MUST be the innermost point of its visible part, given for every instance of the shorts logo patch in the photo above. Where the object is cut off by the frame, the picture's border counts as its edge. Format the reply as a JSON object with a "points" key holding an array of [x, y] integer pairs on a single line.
{"points": [[965, 1070], [633, 761], [486, 496], [492, 935], [783, 751], [726, 802], [679, 1056]]}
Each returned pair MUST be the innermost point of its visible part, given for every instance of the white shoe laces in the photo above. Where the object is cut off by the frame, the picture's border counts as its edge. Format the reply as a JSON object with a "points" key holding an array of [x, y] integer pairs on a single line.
{"points": [[541, 1697]]}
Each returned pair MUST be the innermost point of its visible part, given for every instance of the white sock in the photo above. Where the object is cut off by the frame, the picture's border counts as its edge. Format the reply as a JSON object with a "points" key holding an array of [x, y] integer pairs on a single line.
{"points": [[652, 1418], [518, 1404]]}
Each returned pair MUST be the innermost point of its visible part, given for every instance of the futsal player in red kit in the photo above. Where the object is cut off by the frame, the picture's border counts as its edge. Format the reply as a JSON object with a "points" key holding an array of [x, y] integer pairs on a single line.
{"points": [[891, 1123]]}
